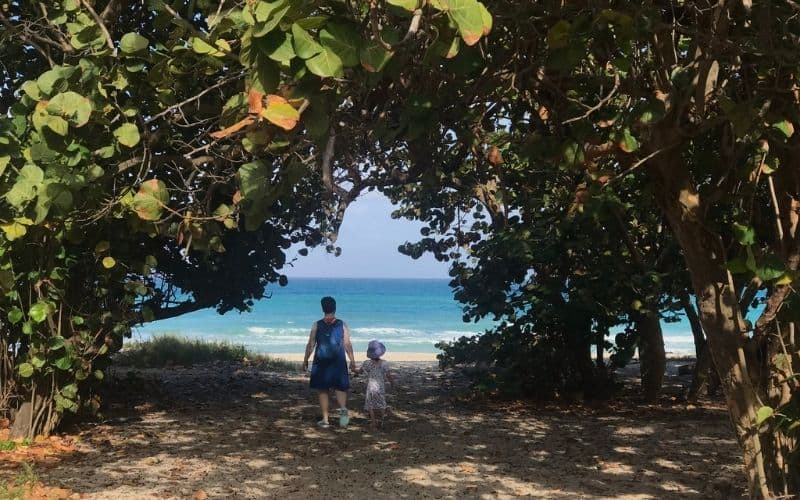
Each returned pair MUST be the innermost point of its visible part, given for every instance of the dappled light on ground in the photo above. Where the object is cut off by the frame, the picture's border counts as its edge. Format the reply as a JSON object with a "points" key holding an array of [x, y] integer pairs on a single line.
{"points": [[230, 432]]}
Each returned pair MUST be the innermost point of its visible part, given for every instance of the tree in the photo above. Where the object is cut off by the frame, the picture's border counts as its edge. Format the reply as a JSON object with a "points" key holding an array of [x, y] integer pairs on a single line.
{"points": [[697, 102], [160, 157]]}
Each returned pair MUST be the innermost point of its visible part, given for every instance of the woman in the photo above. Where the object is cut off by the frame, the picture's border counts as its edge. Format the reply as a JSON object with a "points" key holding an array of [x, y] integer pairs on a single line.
{"points": [[329, 341]]}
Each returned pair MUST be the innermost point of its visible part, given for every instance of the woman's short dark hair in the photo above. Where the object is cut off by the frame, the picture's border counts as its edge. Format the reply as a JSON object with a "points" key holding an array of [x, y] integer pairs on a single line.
{"points": [[328, 305]]}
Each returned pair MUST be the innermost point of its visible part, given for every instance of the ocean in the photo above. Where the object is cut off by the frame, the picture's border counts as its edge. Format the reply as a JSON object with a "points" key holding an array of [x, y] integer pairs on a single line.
{"points": [[408, 315]]}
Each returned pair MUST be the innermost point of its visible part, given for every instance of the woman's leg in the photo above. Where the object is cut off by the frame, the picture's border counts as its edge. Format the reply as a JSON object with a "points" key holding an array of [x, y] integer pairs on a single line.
{"points": [[341, 398], [323, 404]]}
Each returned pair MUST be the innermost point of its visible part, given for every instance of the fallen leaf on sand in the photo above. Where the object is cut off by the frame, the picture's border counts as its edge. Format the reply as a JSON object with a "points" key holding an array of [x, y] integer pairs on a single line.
{"points": [[200, 495], [468, 469]]}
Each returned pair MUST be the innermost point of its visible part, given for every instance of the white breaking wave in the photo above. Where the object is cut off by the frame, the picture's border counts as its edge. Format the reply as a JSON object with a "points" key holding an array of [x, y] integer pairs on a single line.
{"points": [[674, 339]]}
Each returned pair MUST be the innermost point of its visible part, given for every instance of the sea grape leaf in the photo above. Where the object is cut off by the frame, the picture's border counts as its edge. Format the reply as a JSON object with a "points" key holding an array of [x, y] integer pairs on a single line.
{"points": [[151, 199]]}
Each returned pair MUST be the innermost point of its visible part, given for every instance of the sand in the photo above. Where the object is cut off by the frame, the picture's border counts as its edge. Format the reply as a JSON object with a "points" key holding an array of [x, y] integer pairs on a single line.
{"points": [[228, 431], [389, 356]]}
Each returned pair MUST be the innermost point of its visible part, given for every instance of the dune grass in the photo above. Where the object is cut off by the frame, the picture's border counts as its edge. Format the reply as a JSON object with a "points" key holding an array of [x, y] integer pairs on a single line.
{"points": [[169, 350]]}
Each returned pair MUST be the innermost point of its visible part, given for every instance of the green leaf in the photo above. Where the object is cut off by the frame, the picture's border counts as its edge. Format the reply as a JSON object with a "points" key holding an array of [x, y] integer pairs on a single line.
{"points": [[268, 15], [63, 363], [58, 125], [98, 374], [763, 414], [785, 127], [344, 41], [37, 361], [253, 179], [14, 230], [737, 265], [127, 135], [558, 35], [151, 199], [70, 391], [266, 76], [770, 267], [326, 64], [48, 80], [132, 43], [15, 315], [39, 311], [31, 88], [4, 161], [279, 112], [374, 57], [109, 262], [409, 5], [745, 235], [312, 22], [467, 15], [56, 343], [486, 18], [200, 46], [25, 370], [72, 106], [628, 143], [280, 47], [304, 44]]}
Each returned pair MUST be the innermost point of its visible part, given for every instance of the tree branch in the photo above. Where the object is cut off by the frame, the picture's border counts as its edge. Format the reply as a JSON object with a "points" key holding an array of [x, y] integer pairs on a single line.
{"points": [[10, 27], [599, 105], [102, 25], [327, 176], [639, 164], [193, 98], [376, 29]]}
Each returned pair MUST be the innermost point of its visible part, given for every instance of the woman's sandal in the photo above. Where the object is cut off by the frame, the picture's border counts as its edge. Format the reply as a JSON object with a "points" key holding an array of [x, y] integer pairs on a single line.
{"points": [[344, 418]]}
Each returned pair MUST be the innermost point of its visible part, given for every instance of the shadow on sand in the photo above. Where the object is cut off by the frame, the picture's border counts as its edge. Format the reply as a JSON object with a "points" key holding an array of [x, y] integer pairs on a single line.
{"points": [[237, 432]]}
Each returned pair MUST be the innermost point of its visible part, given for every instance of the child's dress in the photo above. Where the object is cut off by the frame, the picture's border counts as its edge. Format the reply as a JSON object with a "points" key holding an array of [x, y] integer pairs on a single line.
{"points": [[376, 388]]}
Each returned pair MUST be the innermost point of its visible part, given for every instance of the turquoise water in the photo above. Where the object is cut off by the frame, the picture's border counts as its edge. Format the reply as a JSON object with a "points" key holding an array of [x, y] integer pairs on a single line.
{"points": [[409, 315]]}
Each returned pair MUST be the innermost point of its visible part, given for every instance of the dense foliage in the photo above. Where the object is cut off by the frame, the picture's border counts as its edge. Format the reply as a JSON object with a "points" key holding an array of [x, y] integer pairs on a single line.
{"points": [[160, 157], [587, 165], [616, 159]]}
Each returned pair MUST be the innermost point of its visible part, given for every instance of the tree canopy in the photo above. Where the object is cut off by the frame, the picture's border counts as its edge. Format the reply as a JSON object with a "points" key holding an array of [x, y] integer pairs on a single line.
{"points": [[583, 164]]}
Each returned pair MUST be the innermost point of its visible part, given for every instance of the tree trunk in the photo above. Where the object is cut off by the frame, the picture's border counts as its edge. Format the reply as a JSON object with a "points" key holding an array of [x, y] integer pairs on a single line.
{"points": [[717, 303], [652, 358], [36, 416], [703, 367]]}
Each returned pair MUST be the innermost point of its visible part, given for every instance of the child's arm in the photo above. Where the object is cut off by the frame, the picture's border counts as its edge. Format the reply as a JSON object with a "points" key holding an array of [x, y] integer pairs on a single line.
{"points": [[389, 376]]}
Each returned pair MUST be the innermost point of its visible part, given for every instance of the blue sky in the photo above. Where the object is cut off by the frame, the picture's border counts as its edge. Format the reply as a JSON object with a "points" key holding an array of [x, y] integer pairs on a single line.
{"points": [[369, 238]]}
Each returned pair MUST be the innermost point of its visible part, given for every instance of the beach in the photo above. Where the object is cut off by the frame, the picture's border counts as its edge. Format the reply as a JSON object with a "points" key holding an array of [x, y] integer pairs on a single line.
{"points": [[427, 357], [230, 430]]}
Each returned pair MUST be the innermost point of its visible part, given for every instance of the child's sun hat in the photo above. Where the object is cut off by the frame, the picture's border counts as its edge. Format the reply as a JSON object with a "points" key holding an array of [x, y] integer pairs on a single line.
{"points": [[375, 349]]}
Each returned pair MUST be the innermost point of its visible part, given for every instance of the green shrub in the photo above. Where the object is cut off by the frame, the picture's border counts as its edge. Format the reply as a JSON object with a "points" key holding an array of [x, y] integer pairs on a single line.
{"points": [[170, 350]]}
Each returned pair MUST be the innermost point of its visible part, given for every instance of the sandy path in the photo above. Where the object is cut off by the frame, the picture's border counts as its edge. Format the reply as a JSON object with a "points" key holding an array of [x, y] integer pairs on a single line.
{"points": [[229, 432]]}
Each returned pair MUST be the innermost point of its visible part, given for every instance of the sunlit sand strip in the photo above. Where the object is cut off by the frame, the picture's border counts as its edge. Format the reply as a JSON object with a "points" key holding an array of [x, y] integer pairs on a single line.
{"points": [[390, 356]]}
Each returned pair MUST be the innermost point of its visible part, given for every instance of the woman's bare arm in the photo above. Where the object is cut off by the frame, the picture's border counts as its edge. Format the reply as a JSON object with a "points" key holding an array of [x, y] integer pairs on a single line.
{"points": [[348, 347], [312, 341]]}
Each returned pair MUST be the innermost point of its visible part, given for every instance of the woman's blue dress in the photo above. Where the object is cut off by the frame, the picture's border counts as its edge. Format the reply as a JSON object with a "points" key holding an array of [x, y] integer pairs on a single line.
{"points": [[329, 369]]}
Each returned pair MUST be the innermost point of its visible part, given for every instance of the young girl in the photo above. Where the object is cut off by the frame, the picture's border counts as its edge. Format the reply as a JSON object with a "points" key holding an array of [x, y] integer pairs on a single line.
{"points": [[377, 373]]}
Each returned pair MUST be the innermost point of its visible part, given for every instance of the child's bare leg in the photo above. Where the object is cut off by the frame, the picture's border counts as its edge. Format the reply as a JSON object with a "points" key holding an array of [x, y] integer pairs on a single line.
{"points": [[381, 416], [373, 423]]}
